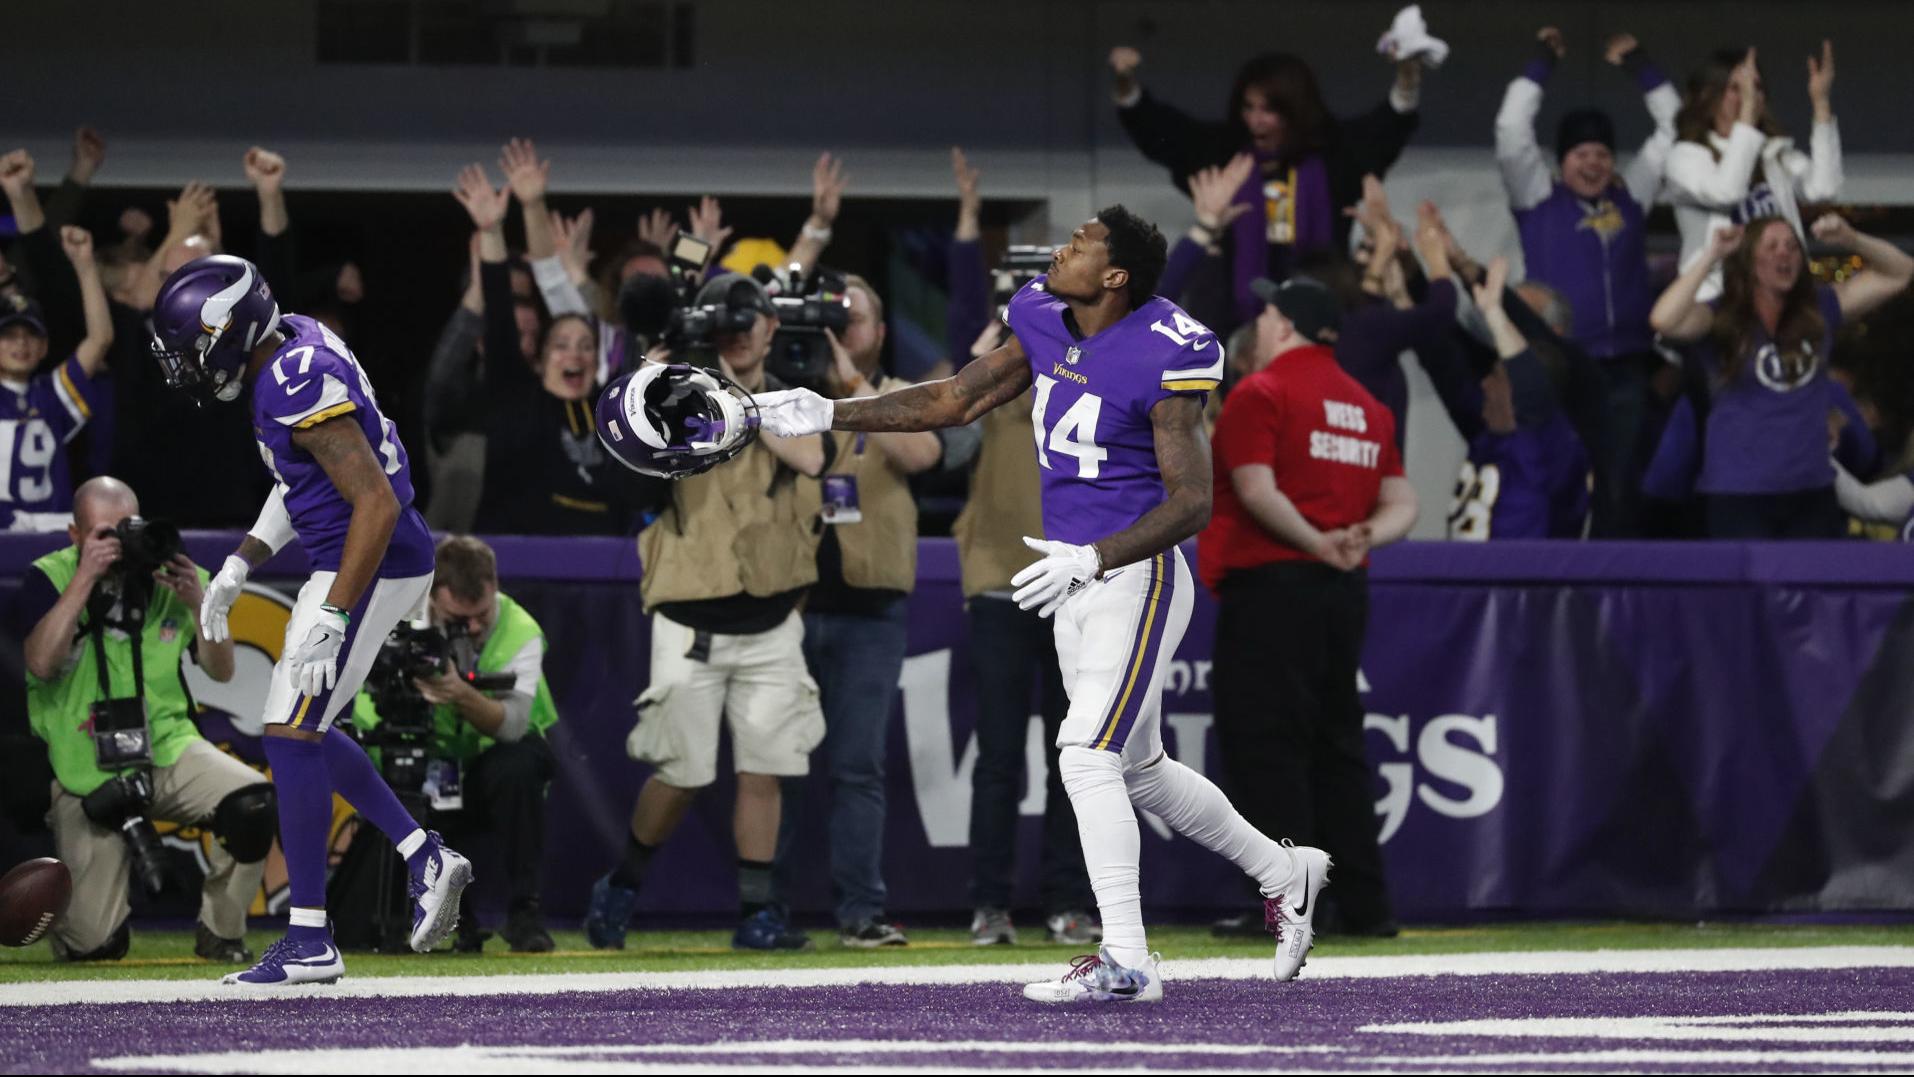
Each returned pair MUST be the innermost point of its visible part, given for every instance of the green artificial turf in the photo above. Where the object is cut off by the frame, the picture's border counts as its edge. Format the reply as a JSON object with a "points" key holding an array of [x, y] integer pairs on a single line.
{"points": [[169, 954]]}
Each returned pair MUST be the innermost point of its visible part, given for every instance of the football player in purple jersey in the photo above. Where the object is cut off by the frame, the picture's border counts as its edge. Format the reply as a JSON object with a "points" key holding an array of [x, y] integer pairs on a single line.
{"points": [[343, 486], [1119, 378]]}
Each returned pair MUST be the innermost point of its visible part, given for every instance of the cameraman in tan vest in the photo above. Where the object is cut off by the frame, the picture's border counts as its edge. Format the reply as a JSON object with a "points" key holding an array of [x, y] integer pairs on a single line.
{"points": [[855, 623], [726, 565]]}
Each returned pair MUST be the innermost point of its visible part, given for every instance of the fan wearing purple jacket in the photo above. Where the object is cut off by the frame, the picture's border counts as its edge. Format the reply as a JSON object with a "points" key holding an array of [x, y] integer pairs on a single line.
{"points": [[1583, 224]]}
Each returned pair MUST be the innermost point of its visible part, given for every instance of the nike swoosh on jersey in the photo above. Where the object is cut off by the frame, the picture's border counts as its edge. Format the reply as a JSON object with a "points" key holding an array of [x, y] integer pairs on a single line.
{"points": [[291, 389], [1201, 344]]}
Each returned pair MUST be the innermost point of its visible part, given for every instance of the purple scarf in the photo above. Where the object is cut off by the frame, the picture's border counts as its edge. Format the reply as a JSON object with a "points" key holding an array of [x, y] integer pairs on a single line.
{"points": [[1315, 226]]}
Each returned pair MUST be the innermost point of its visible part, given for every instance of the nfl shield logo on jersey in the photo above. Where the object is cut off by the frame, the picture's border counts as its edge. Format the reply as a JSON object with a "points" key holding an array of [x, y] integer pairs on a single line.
{"points": [[1075, 353]]}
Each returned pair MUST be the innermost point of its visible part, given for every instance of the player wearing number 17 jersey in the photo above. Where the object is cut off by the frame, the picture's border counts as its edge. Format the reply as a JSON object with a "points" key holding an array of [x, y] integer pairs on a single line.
{"points": [[342, 485], [1119, 378]]}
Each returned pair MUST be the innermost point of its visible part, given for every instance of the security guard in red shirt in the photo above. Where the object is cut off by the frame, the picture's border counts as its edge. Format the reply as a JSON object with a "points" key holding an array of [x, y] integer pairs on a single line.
{"points": [[1308, 481]]}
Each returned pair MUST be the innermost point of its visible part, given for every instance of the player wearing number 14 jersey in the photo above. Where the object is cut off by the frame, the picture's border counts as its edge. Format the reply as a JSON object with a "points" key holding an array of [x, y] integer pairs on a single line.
{"points": [[342, 485], [1119, 378]]}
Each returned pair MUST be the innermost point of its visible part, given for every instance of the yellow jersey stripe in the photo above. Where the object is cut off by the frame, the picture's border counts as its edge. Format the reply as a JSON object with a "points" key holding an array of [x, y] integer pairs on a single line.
{"points": [[318, 417]]}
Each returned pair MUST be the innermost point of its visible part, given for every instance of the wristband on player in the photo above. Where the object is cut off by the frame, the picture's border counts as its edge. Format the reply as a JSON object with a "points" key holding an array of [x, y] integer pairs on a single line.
{"points": [[344, 615], [810, 231]]}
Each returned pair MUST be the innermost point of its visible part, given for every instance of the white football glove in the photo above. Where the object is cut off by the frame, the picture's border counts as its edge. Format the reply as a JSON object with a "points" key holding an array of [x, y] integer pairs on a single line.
{"points": [[1064, 570], [315, 663], [793, 413], [221, 593]]}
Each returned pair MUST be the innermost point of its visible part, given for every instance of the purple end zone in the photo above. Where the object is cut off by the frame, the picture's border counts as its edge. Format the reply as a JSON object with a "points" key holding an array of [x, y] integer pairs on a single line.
{"points": [[1310, 1025]]}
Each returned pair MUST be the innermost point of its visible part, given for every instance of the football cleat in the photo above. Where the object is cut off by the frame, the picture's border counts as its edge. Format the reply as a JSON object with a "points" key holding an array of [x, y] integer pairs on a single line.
{"points": [[304, 956], [1290, 915], [439, 875], [1096, 978], [992, 927]]}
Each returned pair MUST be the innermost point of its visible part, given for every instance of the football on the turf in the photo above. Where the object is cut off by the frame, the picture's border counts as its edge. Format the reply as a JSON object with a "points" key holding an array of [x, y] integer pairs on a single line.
{"points": [[32, 896]]}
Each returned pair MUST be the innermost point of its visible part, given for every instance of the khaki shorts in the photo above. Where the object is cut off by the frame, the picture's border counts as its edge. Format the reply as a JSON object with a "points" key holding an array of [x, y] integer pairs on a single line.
{"points": [[757, 685]]}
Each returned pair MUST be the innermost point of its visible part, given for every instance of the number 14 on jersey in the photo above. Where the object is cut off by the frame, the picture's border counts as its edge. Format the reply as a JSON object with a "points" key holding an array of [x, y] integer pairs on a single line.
{"points": [[1075, 433]]}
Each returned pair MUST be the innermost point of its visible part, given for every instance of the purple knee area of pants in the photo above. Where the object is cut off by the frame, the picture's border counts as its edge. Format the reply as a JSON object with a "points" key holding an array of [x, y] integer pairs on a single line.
{"points": [[356, 779]]}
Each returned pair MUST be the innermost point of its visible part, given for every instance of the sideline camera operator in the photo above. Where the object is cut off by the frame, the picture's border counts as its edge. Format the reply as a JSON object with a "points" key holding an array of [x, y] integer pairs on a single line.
{"points": [[486, 749], [113, 615], [726, 564]]}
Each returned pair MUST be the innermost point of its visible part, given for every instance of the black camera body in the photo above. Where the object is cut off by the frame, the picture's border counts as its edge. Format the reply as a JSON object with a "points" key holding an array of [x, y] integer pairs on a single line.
{"points": [[121, 804], [1022, 263], [405, 732], [146, 546], [667, 312]]}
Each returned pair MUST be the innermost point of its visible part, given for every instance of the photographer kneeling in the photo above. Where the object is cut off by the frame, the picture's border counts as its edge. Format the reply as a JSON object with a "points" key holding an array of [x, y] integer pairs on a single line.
{"points": [[487, 748], [113, 615]]}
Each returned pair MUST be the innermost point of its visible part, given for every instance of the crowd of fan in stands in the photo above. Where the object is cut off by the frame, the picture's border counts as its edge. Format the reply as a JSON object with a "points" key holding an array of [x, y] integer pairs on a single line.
{"points": [[1595, 399]]}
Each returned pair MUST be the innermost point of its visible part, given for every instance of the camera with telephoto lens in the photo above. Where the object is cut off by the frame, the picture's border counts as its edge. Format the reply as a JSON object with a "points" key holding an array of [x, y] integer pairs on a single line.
{"points": [[405, 732], [121, 804], [146, 546]]}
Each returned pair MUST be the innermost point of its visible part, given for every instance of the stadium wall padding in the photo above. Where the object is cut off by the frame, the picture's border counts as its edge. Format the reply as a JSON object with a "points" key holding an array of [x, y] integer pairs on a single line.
{"points": [[1556, 729]]}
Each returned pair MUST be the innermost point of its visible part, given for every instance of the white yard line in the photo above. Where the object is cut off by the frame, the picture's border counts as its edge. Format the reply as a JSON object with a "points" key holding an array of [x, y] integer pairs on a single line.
{"points": [[1540, 963]]}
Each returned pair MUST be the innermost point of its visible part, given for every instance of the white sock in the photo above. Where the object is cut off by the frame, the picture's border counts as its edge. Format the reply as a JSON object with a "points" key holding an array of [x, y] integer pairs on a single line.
{"points": [[413, 843], [1107, 826], [308, 917], [1195, 808]]}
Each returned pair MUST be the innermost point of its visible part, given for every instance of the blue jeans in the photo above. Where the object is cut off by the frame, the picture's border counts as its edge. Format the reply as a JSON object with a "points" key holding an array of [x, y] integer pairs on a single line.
{"points": [[1013, 652], [856, 662]]}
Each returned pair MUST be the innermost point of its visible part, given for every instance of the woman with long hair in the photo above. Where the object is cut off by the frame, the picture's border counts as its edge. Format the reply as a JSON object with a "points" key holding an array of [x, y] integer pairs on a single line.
{"points": [[1732, 163], [545, 472], [1760, 422], [1309, 164]]}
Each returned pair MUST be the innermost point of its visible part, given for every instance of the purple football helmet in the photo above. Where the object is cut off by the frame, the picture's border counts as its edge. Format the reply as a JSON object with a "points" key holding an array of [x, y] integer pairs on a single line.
{"points": [[209, 316], [675, 420]]}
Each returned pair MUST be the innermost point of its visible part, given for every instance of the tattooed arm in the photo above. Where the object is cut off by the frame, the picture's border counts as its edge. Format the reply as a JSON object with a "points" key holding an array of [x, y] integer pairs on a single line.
{"points": [[1183, 456], [343, 451], [995, 378]]}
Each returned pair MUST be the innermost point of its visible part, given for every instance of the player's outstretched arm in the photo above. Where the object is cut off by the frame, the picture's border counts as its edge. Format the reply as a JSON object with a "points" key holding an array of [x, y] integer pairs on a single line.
{"points": [[986, 382], [1183, 456], [343, 452]]}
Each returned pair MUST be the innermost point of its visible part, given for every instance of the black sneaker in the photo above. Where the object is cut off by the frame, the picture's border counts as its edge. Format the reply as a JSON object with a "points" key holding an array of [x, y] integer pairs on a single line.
{"points": [[525, 933], [872, 934], [224, 951], [470, 942]]}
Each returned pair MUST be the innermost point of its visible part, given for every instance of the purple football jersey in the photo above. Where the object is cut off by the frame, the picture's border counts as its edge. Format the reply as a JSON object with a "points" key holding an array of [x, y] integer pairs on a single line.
{"points": [[311, 378], [1095, 446], [37, 419], [1532, 483]]}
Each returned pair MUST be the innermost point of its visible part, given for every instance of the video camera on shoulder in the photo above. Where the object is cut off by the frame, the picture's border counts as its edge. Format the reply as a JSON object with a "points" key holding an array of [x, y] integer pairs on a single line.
{"points": [[671, 312], [1022, 263]]}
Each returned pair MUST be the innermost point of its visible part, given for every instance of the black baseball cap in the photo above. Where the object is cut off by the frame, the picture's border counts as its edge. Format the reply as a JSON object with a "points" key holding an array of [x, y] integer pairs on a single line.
{"points": [[1306, 302], [17, 308]]}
